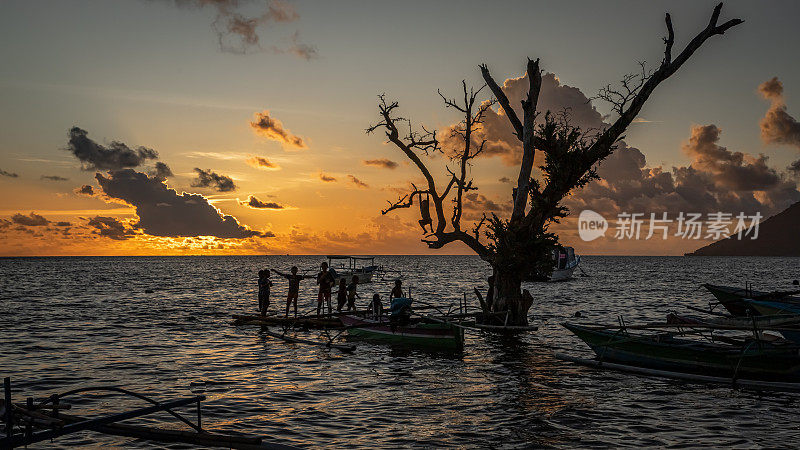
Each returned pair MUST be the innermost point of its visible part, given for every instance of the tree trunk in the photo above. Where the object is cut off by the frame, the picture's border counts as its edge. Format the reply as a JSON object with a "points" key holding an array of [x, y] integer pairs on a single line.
{"points": [[508, 296]]}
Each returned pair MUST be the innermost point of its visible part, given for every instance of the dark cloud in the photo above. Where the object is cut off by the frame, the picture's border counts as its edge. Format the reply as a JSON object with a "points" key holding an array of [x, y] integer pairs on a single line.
{"points": [[326, 178], [3, 173], [731, 170], [111, 228], [772, 89], [208, 178], [113, 157], [62, 224], [554, 96], [161, 170], [505, 180], [716, 180], [382, 162], [360, 184], [54, 178], [479, 202], [85, 190], [237, 32], [31, 220], [255, 203], [272, 129], [260, 162], [778, 126], [163, 212]]}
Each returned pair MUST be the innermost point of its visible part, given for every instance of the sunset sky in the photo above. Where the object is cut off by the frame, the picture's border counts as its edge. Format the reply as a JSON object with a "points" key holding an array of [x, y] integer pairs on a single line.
{"points": [[259, 109]]}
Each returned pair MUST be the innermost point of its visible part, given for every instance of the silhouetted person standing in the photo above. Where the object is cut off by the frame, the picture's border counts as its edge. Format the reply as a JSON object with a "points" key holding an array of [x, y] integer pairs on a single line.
{"points": [[352, 294], [341, 295], [294, 288], [375, 309], [325, 281], [264, 287]]}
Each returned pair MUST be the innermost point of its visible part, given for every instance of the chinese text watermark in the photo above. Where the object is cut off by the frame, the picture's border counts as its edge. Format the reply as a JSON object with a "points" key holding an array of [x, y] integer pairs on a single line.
{"points": [[635, 226]]}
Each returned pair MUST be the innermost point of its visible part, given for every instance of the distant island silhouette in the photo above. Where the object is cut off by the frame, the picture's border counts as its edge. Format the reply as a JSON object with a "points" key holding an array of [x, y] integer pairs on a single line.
{"points": [[778, 236]]}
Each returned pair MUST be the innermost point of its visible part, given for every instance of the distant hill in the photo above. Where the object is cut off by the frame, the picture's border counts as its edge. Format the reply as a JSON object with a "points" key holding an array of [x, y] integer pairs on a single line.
{"points": [[777, 236]]}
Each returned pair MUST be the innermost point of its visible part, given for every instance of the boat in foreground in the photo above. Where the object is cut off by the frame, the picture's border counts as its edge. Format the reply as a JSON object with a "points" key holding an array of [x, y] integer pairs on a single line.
{"points": [[736, 300], [418, 333], [738, 358]]}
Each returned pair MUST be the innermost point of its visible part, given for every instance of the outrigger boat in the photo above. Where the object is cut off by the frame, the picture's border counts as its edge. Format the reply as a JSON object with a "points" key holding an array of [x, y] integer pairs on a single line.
{"points": [[347, 266], [736, 300], [735, 359], [418, 333]]}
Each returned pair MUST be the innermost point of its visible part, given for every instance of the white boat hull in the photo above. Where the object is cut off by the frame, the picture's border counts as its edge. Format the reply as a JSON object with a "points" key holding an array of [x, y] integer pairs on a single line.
{"points": [[563, 274]]}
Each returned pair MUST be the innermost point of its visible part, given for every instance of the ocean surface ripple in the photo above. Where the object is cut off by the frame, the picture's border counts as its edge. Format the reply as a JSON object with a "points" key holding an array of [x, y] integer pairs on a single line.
{"points": [[75, 322]]}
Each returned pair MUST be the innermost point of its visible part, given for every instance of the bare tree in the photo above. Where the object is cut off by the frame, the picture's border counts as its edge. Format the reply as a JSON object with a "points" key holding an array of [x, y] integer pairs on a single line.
{"points": [[522, 244]]}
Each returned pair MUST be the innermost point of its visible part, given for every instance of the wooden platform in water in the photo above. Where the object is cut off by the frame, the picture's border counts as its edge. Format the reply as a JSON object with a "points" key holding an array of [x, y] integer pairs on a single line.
{"points": [[297, 322]]}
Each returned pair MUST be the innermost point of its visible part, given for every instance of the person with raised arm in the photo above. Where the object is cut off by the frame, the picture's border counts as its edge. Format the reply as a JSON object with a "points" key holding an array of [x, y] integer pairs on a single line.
{"points": [[294, 287]]}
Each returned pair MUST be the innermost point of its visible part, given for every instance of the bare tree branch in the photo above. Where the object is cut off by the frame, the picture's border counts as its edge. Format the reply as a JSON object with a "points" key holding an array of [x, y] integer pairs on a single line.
{"points": [[503, 101], [668, 41], [604, 144], [427, 142], [528, 142]]}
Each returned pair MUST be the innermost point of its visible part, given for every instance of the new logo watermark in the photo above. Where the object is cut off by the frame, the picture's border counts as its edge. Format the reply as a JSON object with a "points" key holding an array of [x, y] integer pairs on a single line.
{"points": [[591, 225], [717, 225]]}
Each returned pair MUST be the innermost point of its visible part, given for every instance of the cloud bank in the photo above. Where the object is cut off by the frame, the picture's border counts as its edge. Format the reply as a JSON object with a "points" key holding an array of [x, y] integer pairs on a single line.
{"points": [[164, 212]]}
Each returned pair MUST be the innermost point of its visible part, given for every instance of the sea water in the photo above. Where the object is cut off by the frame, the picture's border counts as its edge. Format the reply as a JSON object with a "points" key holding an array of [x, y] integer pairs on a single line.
{"points": [[162, 326]]}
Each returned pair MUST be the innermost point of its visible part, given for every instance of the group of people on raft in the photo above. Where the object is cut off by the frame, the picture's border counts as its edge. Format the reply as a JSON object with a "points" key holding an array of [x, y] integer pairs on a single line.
{"points": [[345, 296]]}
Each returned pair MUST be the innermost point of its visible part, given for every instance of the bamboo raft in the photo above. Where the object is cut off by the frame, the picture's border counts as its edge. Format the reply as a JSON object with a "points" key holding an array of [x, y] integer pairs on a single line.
{"points": [[321, 322], [36, 421]]}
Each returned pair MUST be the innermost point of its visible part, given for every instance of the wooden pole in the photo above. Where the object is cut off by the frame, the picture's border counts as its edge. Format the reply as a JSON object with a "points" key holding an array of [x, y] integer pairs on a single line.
{"points": [[9, 407], [29, 423], [199, 417]]}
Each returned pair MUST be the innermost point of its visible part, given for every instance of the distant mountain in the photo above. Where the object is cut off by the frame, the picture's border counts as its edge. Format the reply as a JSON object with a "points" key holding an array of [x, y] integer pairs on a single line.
{"points": [[777, 236]]}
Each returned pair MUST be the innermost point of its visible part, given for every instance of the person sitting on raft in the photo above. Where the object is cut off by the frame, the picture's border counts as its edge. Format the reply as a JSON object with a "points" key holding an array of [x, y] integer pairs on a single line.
{"points": [[341, 295], [352, 294], [375, 309], [294, 287], [264, 287]]}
